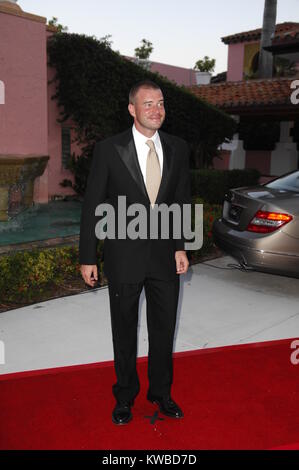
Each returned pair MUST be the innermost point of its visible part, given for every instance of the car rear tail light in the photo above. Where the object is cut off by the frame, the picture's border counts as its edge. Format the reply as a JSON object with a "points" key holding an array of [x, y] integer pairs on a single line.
{"points": [[266, 222]]}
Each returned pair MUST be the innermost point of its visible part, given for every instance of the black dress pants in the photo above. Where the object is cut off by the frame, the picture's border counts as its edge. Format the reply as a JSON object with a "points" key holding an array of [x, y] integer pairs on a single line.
{"points": [[161, 310]]}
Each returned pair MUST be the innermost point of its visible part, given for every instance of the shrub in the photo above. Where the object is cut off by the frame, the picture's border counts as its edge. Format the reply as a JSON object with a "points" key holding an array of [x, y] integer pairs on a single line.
{"points": [[211, 185], [25, 275]]}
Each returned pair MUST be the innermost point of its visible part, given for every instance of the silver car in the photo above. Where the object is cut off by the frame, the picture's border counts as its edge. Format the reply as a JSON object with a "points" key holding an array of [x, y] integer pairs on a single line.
{"points": [[260, 225]]}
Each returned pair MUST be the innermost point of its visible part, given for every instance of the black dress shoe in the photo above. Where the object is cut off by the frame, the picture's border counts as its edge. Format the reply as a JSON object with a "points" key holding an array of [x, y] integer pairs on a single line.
{"points": [[122, 412], [167, 406]]}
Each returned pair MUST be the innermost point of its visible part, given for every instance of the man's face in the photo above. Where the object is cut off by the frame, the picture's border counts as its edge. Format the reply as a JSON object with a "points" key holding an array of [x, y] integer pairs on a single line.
{"points": [[148, 110]]}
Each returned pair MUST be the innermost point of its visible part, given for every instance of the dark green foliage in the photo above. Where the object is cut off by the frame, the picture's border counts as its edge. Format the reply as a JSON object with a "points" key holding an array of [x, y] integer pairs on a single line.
{"points": [[93, 85], [259, 135], [211, 185]]}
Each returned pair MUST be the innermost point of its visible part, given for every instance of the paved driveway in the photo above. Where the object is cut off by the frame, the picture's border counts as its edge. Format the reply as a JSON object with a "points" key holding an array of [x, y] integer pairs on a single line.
{"points": [[219, 305]]}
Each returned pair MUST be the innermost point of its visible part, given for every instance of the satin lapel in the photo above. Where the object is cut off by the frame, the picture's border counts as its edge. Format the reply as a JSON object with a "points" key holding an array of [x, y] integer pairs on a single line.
{"points": [[128, 154], [167, 168]]}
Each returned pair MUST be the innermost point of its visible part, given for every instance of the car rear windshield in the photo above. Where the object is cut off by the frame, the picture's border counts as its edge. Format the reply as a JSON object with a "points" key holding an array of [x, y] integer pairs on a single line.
{"points": [[288, 182]]}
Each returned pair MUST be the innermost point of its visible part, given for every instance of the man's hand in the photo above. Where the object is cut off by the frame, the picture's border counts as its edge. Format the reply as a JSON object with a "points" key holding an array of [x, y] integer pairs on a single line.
{"points": [[89, 273], [182, 262]]}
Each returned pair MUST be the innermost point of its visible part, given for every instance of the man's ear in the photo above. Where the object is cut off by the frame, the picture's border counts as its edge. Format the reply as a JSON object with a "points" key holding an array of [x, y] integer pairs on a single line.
{"points": [[131, 109]]}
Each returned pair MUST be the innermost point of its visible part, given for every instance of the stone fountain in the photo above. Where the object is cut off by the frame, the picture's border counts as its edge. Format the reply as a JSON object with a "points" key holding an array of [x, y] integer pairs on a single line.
{"points": [[17, 175], [18, 172]]}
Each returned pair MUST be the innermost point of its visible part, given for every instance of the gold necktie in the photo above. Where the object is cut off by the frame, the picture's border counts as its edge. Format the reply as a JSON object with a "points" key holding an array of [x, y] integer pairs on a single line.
{"points": [[153, 172]]}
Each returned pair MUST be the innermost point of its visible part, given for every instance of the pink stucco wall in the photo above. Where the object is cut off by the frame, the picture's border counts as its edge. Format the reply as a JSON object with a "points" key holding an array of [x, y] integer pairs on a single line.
{"points": [[259, 159], [235, 60], [28, 119], [180, 75], [23, 117], [223, 163]]}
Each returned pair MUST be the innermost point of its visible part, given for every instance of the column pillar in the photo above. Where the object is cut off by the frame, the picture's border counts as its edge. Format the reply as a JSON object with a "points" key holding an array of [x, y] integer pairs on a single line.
{"points": [[237, 157]]}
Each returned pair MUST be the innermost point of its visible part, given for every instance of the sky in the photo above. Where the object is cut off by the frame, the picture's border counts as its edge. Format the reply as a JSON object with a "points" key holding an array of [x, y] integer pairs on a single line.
{"points": [[181, 31]]}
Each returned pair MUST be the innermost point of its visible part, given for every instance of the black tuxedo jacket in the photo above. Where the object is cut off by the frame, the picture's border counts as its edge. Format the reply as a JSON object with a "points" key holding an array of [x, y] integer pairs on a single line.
{"points": [[114, 172]]}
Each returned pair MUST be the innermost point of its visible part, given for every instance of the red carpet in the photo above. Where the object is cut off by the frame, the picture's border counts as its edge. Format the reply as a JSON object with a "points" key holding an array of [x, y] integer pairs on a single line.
{"points": [[238, 397]]}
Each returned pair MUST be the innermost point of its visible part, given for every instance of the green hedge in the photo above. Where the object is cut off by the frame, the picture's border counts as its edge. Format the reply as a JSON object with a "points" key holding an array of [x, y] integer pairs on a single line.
{"points": [[25, 275], [92, 88], [93, 84], [210, 213], [259, 135], [32, 276], [211, 185]]}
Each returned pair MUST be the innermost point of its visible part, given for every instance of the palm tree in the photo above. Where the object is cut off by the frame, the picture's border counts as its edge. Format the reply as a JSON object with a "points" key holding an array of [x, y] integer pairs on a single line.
{"points": [[268, 31]]}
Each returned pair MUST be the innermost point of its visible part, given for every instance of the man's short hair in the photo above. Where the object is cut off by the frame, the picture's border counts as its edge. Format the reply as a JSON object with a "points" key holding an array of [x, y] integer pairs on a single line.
{"points": [[142, 84]]}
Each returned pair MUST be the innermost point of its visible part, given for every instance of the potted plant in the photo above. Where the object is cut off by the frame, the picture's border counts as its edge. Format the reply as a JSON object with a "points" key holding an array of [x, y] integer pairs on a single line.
{"points": [[203, 69], [142, 54]]}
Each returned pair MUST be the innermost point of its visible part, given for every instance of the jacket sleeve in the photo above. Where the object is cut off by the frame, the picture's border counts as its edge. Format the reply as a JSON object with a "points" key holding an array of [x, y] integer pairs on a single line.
{"points": [[96, 193], [183, 190]]}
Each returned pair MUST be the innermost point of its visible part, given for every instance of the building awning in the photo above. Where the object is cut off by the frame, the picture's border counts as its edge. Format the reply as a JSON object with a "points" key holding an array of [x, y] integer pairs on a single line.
{"points": [[281, 30], [251, 97]]}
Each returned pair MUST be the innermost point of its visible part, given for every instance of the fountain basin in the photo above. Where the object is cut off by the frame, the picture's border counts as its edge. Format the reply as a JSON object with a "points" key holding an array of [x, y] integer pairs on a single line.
{"points": [[17, 175]]}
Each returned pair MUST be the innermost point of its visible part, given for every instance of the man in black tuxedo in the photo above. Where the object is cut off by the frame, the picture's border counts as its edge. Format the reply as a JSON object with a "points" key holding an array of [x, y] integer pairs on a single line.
{"points": [[147, 166]]}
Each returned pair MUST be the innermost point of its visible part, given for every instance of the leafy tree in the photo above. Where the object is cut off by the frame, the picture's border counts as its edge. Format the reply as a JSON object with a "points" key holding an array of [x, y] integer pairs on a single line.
{"points": [[107, 40], [60, 27], [144, 51]]}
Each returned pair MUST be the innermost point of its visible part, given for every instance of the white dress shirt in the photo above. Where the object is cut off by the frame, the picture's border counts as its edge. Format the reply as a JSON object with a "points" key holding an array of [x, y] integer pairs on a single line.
{"points": [[143, 149]]}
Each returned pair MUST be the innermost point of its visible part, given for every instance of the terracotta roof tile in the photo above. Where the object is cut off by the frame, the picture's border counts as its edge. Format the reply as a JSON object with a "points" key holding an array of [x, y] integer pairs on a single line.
{"points": [[287, 36], [246, 93], [281, 31]]}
